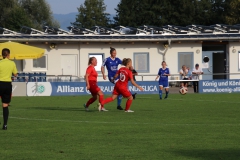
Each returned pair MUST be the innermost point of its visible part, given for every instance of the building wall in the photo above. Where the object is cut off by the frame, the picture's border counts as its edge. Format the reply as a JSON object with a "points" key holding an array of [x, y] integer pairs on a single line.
{"points": [[126, 50], [234, 59]]}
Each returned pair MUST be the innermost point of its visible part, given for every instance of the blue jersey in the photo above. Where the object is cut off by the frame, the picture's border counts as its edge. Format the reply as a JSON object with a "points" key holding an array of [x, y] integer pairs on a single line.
{"points": [[161, 74], [112, 65]]}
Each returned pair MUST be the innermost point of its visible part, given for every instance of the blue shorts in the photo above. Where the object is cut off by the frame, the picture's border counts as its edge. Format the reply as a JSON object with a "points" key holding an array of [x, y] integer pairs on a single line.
{"points": [[164, 84]]}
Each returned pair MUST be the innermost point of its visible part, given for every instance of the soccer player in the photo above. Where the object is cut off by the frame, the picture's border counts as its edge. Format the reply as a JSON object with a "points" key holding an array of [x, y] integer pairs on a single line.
{"points": [[91, 83], [121, 86], [7, 68], [163, 73], [112, 63]]}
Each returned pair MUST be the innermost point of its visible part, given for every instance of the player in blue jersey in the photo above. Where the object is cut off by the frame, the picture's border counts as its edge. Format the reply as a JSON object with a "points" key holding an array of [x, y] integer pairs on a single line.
{"points": [[163, 73], [111, 64]]}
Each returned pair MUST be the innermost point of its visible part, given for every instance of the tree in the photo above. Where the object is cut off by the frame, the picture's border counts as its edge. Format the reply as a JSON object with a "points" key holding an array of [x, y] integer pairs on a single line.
{"points": [[6, 7], [133, 13], [17, 18], [176, 12], [39, 13], [232, 12], [91, 13]]}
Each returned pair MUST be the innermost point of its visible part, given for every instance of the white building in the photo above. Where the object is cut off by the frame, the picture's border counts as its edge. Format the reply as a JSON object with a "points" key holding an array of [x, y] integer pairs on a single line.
{"points": [[67, 53]]}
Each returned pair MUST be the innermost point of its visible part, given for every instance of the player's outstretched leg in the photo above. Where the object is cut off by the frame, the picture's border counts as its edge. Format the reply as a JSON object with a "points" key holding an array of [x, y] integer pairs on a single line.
{"points": [[119, 101], [89, 102], [107, 100], [101, 99], [128, 104]]}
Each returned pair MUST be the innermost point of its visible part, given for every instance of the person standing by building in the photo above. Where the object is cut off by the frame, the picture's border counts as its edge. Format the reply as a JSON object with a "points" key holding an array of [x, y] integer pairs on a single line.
{"points": [[7, 69], [184, 73], [195, 76], [91, 83], [121, 86], [112, 64], [163, 73]]}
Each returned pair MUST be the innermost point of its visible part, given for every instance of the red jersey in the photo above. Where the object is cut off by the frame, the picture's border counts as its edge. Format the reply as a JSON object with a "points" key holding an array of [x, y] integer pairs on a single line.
{"points": [[92, 73], [124, 76]]}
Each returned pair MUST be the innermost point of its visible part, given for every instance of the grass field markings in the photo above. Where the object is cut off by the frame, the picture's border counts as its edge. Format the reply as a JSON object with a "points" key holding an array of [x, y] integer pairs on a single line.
{"points": [[205, 101], [164, 124]]}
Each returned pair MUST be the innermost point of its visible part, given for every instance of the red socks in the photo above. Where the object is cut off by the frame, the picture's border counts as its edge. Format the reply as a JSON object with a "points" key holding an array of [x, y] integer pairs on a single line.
{"points": [[128, 104], [107, 101], [101, 99], [90, 101]]}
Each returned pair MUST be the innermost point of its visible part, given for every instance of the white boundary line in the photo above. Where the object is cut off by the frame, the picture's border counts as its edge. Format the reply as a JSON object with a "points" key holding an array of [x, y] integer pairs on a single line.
{"points": [[96, 122]]}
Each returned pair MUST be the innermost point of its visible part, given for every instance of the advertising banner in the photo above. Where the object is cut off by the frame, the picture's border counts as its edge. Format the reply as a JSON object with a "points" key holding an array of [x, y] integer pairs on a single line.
{"points": [[19, 89], [79, 88], [219, 86]]}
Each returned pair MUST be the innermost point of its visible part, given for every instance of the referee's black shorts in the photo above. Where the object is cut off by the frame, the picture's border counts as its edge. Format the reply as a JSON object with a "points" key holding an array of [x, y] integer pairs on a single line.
{"points": [[5, 91]]}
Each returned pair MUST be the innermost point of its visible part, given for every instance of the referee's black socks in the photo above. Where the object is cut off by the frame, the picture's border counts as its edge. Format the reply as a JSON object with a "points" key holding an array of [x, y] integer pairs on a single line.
{"points": [[5, 115]]}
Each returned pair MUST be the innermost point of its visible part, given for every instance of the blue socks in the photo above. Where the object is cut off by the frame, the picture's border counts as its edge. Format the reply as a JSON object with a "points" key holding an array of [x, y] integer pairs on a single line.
{"points": [[160, 94], [119, 100]]}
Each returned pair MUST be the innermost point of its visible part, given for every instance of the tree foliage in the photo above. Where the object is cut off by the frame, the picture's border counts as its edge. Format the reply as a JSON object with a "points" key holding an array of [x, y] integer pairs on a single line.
{"points": [[177, 12], [91, 13], [31, 13]]}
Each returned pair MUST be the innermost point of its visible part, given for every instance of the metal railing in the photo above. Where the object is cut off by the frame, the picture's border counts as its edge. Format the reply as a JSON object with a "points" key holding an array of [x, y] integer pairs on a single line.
{"points": [[70, 78]]}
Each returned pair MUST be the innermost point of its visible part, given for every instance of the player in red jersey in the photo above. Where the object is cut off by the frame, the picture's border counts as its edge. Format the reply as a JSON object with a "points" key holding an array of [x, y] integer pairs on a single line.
{"points": [[121, 86], [91, 83]]}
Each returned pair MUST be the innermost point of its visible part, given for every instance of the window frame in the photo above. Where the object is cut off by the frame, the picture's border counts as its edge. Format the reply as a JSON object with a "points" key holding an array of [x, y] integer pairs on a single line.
{"points": [[148, 62], [103, 57], [189, 53], [238, 60], [41, 69]]}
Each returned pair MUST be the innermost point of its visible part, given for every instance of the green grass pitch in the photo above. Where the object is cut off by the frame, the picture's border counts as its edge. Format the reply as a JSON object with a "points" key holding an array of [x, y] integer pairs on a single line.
{"points": [[194, 126]]}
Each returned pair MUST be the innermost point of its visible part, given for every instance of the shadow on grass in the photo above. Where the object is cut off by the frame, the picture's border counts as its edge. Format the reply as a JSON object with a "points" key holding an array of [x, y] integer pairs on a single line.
{"points": [[214, 154], [63, 109]]}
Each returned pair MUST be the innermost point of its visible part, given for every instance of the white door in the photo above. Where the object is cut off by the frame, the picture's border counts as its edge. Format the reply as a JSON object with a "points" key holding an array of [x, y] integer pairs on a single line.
{"points": [[69, 64]]}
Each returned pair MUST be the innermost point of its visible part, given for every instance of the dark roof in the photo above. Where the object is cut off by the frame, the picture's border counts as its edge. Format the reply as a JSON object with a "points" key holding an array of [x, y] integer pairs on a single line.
{"points": [[219, 32]]}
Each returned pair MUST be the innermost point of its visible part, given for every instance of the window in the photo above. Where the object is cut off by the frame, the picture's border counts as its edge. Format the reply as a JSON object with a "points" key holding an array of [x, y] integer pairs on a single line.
{"points": [[141, 62], [99, 57], [185, 58], [239, 60], [40, 63]]}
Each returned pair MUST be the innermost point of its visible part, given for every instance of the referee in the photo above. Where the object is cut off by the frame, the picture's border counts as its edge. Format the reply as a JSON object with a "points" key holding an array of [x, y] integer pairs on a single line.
{"points": [[7, 68]]}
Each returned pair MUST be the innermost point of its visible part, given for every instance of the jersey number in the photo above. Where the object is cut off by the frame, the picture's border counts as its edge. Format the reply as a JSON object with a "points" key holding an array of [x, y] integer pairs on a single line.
{"points": [[122, 77]]}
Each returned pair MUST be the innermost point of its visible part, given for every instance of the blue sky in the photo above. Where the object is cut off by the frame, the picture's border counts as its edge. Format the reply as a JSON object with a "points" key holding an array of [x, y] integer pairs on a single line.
{"points": [[69, 6]]}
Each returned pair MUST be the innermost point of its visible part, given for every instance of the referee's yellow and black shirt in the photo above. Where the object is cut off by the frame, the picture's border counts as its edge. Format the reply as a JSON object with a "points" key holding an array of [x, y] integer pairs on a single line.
{"points": [[7, 68]]}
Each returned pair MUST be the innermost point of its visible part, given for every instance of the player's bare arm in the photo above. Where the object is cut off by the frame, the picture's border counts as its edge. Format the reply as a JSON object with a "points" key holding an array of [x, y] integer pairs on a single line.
{"points": [[87, 81], [103, 73], [136, 85], [157, 77], [115, 77]]}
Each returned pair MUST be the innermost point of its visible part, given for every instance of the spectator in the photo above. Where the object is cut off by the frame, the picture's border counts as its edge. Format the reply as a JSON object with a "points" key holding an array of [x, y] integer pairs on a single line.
{"points": [[184, 72], [196, 72]]}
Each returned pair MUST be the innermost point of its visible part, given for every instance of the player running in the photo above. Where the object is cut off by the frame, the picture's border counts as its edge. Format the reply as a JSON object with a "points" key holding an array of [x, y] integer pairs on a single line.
{"points": [[121, 86], [163, 73], [112, 63], [91, 83]]}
